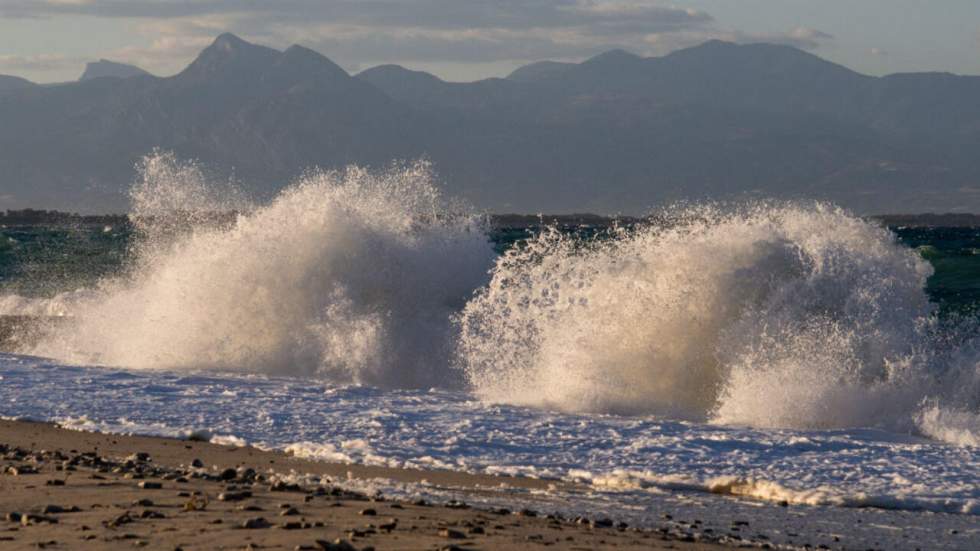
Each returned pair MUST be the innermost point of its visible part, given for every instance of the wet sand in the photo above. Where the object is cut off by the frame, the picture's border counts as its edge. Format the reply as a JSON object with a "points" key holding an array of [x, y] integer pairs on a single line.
{"points": [[63, 489]]}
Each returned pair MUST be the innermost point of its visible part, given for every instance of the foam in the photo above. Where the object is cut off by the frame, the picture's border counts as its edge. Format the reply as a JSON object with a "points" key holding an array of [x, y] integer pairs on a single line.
{"points": [[769, 315], [773, 315], [350, 276]]}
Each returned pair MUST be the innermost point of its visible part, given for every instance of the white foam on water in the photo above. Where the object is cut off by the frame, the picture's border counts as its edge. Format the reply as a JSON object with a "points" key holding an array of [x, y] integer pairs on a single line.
{"points": [[766, 315], [771, 315], [439, 429], [61, 305], [780, 352], [350, 276]]}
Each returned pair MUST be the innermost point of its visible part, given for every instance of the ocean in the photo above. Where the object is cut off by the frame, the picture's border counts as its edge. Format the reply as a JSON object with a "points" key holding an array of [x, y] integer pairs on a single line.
{"points": [[819, 372]]}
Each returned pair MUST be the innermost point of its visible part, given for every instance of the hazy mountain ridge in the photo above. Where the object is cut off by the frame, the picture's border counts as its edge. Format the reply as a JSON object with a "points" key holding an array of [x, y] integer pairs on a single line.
{"points": [[9, 82], [110, 69], [616, 133]]}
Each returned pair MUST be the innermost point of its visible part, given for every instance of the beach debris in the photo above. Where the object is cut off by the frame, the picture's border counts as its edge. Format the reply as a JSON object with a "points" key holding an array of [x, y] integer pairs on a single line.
{"points": [[234, 496], [120, 520], [56, 509], [30, 518], [139, 457], [255, 523], [196, 503], [337, 545], [280, 486], [452, 534], [601, 523]]}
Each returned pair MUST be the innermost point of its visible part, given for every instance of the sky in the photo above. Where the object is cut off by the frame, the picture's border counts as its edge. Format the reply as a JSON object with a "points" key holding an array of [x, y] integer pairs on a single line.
{"points": [[462, 40]]}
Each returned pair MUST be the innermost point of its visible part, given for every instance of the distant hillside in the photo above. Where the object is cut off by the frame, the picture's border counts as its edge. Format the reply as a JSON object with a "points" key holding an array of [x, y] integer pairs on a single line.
{"points": [[8, 82], [105, 68], [615, 133]]}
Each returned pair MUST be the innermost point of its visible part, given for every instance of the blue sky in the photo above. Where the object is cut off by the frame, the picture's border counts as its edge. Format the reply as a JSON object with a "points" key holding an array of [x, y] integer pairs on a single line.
{"points": [[50, 40]]}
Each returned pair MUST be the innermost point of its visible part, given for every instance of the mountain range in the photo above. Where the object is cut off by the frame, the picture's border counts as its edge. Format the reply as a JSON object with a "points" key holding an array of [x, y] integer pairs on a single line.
{"points": [[617, 133]]}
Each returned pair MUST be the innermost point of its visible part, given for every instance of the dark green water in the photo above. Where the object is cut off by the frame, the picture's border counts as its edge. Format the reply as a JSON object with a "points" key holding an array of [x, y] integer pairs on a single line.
{"points": [[45, 260], [955, 255]]}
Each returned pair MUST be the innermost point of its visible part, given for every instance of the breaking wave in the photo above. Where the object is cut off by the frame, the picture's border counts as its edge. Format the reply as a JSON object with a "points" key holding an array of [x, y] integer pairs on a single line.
{"points": [[773, 315], [768, 315], [346, 275]]}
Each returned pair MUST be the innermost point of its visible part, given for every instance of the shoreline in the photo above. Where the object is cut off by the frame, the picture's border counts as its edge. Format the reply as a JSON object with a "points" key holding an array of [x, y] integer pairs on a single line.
{"points": [[67, 489]]}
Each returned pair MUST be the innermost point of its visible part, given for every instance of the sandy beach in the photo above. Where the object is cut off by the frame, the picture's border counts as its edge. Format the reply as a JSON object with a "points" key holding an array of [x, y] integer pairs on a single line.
{"points": [[64, 489]]}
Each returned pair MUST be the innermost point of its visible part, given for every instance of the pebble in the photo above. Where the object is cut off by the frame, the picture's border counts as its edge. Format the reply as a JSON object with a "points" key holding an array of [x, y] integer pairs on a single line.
{"points": [[139, 457], [255, 523], [55, 509], [337, 545], [452, 534], [234, 496], [29, 518]]}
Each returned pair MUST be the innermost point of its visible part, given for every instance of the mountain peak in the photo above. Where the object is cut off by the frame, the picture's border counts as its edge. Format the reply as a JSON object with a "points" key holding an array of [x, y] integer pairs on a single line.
{"points": [[106, 68], [613, 56], [229, 53], [391, 72], [229, 42]]}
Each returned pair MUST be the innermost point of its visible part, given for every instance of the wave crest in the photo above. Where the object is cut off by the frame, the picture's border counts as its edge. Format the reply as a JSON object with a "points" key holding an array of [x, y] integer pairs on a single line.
{"points": [[349, 275], [771, 315]]}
